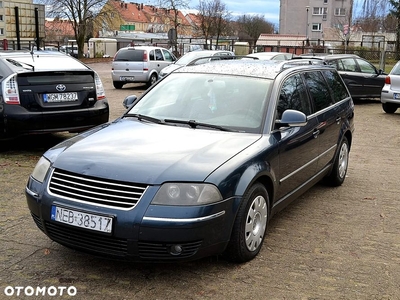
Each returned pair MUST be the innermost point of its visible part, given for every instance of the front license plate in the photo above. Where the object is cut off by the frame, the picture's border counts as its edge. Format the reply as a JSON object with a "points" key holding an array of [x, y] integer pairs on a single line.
{"points": [[60, 97], [396, 95], [81, 219], [127, 78]]}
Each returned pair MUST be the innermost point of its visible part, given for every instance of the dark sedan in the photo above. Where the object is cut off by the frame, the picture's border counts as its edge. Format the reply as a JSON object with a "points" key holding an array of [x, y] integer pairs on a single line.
{"points": [[47, 91], [199, 164], [362, 78]]}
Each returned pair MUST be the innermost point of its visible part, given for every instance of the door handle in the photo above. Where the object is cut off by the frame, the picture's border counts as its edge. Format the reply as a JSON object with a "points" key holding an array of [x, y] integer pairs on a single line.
{"points": [[316, 133], [338, 119]]}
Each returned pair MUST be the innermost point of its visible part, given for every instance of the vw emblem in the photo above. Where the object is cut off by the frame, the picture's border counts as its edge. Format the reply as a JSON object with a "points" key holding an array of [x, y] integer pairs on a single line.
{"points": [[60, 87]]}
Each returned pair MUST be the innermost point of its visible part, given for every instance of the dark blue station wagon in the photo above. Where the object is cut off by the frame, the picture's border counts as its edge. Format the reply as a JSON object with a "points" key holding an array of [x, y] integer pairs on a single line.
{"points": [[199, 164]]}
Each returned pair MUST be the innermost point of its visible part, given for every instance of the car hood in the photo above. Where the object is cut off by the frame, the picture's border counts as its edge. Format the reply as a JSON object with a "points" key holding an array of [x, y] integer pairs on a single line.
{"points": [[134, 151]]}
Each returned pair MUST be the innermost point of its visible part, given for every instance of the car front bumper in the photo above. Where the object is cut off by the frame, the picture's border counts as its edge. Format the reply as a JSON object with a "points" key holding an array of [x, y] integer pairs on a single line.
{"points": [[149, 233]]}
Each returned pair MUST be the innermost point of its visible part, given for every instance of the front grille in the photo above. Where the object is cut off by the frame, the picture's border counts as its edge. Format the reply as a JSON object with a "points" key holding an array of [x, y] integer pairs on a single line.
{"points": [[99, 191], [89, 241], [161, 251]]}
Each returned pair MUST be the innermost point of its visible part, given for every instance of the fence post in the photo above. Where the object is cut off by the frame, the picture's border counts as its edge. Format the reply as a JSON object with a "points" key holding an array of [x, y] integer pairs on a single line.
{"points": [[382, 60]]}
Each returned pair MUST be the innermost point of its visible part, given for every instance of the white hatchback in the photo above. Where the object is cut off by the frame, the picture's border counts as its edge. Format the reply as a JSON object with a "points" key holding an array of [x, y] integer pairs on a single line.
{"points": [[139, 64]]}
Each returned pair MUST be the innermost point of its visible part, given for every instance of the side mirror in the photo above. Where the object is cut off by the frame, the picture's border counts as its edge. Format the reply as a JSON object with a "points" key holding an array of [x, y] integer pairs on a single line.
{"points": [[129, 100], [291, 118]]}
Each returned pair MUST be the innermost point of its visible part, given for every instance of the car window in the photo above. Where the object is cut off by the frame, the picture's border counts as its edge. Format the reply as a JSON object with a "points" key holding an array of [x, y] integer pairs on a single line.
{"points": [[349, 64], [337, 87], [158, 54], [129, 55], [366, 67], [318, 89], [151, 55], [293, 95], [230, 101], [279, 57], [167, 55]]}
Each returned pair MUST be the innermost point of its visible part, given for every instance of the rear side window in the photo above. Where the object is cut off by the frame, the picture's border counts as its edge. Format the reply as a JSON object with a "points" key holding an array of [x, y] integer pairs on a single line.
{"points": [[129, 55], [337, 87], [318, 89], [159, 55], [293, 95]]}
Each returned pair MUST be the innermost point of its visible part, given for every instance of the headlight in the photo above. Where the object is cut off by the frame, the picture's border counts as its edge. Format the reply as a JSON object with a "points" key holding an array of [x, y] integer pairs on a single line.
{"points": [[187, 194], [41, 169]]}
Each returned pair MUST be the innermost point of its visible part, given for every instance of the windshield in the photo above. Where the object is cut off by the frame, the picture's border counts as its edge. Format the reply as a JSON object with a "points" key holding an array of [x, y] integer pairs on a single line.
{"points": [[228, 102]]}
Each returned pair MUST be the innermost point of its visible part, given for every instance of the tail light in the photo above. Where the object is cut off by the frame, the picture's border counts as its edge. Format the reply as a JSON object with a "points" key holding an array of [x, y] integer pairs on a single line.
{"points": [[10, 90], [100, 93], [387, 80]]}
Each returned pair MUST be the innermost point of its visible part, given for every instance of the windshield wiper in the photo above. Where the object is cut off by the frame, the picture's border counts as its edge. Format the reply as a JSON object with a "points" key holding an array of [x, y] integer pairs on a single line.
{"points": [[20, 64], [194, 124], [147, 118]]}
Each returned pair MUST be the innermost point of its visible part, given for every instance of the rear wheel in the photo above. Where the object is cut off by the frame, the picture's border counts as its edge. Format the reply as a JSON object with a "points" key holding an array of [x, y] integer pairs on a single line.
{"points": [[250, 225], [152, 80], [389, 108], [118, 84], [339, 170]]}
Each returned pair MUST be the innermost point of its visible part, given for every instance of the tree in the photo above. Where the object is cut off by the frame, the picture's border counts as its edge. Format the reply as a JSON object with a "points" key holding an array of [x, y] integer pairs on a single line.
{"points": [[80, 13], [174, 6], [395, 11], [251, 26], [213, 17]]}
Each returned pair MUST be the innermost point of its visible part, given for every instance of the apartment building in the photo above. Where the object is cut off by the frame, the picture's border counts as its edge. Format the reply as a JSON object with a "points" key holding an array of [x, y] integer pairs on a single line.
{"points": [[17, 21], [310, 18]]}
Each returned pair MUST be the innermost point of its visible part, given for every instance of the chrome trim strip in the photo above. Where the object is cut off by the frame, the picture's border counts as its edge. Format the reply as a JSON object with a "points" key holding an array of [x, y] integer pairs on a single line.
{"points": [[191, 220], [307, 164], [33, 194]]}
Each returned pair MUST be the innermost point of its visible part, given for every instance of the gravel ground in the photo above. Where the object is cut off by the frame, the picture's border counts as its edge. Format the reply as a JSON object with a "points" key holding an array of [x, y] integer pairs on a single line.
{"points": [[340, 243]]}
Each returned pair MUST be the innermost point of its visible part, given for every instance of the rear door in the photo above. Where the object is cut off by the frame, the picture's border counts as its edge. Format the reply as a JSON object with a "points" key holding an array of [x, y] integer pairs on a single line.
{"points": [[328, 113]]}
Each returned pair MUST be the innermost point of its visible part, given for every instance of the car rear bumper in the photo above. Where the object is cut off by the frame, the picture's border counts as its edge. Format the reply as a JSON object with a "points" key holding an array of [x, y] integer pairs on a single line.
{"points": [[388, 96], [16, 120]]}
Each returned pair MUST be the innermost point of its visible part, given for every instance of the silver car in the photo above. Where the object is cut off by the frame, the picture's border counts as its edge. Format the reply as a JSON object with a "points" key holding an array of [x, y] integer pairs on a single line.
{"points": [[194, 55], [390, 95], [139, 64]]}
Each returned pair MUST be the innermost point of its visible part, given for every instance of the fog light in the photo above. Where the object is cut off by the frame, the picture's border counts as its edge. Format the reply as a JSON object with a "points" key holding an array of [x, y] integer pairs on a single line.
{"points": [[175, 250]]}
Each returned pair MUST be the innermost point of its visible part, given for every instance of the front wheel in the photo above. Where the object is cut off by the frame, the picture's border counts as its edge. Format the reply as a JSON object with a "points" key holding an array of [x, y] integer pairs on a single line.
{"points": [[250, 225], [340, 164], [389, 108]]}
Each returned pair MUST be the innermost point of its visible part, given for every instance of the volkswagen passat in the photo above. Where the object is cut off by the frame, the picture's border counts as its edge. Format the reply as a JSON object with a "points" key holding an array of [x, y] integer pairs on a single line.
{"points": [[199, 164], [47, 91]]}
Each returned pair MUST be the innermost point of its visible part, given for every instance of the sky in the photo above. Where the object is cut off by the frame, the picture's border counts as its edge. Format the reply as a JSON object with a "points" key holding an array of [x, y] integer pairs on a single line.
{"points": [[267, 8]]}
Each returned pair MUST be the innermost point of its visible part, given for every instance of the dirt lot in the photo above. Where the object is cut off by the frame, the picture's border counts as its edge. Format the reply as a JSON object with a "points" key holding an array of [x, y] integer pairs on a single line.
{"points": [[340, 243]]}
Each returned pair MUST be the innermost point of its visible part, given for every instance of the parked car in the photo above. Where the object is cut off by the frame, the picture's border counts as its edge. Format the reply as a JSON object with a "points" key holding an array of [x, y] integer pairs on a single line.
{"points": [[271, 55], [195, 55], [139, 64], [362, 78], [390, 95], [70, 50], [199, 164], [47, 91]]}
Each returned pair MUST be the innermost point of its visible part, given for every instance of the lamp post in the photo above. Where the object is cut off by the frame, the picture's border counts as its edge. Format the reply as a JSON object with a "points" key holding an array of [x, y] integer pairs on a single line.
{"points": [[307, 9]]}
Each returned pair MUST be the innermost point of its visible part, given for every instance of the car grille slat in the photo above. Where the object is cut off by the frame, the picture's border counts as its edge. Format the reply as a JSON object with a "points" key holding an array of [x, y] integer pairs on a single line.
{"points": [[97, 191]]}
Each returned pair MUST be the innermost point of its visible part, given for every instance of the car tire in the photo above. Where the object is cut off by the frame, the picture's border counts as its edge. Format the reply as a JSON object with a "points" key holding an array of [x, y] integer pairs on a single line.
{"points": [[250, 225], [152, 80], [340, 165], [389, 108], [117, 84]]}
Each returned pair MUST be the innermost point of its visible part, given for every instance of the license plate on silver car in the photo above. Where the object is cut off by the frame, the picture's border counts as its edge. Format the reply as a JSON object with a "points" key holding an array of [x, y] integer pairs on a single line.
{"points": [[81, 219], [127, 78], [60, 97]]}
